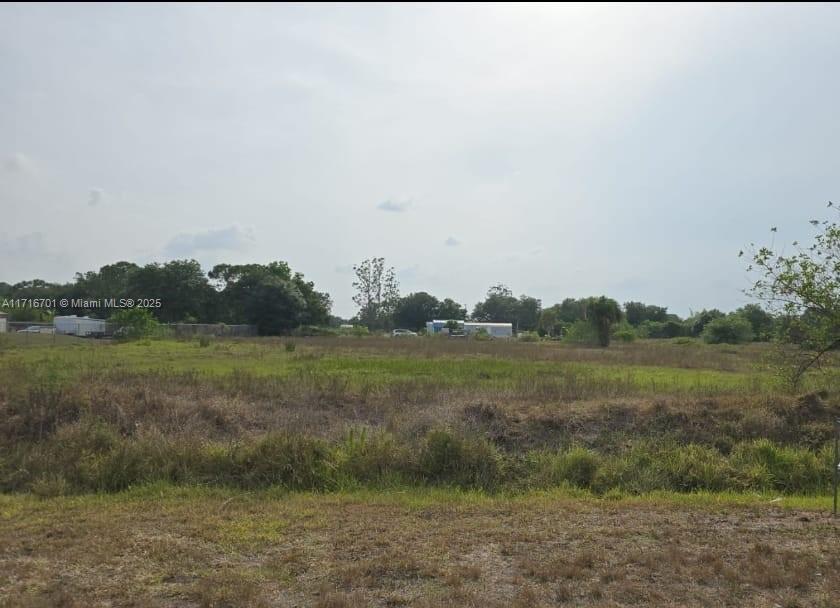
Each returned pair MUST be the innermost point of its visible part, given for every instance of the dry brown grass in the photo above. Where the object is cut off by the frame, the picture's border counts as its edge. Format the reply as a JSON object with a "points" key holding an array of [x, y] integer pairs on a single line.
{"points": [[174, 406], [200, 550]]}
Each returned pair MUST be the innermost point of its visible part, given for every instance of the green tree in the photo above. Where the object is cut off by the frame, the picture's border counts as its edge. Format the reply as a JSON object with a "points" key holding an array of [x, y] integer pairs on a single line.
{"points": [[454, 327], [661, 329], [571, 310], [273, 304], [501, 306], [377, 293], [761, 321], [133, 323], [413, 310], [637, 313], [696, 323], [603, 313], [804, 287], [450, 309], [182, 287], [551, 322], [318, 303], [528, 313], [731, 329], [269, 296]]}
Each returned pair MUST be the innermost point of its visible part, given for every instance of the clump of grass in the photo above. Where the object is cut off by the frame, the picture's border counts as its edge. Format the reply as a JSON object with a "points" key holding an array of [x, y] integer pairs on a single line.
{"points": [[50, 486], [38, 411], [371, 457], [648, 466], [765, 465], [92, 456], [292, 461], [468, 462], [577, 467]]}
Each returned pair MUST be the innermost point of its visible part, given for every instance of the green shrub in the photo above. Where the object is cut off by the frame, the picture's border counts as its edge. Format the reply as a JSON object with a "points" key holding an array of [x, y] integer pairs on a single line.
{"points": [[581, 332], [315, 330], [465, 462], [577, 467], [732, 329], [204, 341], [528, 336], [662, 329], [289, 346], [134, 323], [50, 486], [481, 335], [625, 334], [695, 467], [292, 461], [647, 466], [370, 456], [763, 464]]}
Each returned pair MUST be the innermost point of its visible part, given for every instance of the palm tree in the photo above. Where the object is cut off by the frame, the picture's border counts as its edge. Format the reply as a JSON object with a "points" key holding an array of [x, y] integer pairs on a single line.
{"points": [[603, 313]]}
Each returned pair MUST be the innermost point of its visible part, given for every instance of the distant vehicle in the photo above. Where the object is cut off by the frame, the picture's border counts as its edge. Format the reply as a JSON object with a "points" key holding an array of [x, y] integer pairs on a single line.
{"points": [[403, 333], [79, 326], [36, 329]]}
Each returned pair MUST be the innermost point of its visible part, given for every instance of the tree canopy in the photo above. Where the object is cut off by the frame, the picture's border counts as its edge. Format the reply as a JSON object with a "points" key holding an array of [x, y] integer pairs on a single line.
{"points": [[804, 288], [377, 293]]}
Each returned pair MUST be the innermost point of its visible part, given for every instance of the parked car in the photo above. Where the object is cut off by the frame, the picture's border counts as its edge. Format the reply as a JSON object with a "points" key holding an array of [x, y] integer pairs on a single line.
{"points": [[36, 329], [403, 333]]}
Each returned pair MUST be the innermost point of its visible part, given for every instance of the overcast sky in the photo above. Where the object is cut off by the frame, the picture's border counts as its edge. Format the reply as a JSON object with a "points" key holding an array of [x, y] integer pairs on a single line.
{"points": [[563, 151]]}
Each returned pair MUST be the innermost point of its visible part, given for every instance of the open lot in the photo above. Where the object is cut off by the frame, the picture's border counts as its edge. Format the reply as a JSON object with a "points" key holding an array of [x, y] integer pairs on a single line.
{"points": [[170, 547], [354, 472]]}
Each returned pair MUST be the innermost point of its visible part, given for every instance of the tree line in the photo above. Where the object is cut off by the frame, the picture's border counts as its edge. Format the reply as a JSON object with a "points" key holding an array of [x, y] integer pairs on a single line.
{"points": [[801, 291], [277, 301], [270, 296]]}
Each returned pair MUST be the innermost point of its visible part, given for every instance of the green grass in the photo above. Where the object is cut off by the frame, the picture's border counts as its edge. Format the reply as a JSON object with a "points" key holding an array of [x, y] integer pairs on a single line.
{"points": [[382, 472], [409, 497], [367, 369]]}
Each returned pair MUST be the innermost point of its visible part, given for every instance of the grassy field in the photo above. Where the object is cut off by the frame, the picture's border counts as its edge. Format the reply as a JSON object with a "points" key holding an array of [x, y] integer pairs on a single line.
{"points": [[372, 471]]}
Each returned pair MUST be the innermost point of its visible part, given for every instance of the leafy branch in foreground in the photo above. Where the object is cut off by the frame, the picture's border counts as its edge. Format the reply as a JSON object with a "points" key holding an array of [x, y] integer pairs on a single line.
{"points": [[804, 288]]}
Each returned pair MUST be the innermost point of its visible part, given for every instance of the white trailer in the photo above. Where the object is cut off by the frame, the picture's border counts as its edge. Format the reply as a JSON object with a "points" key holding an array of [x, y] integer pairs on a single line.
{"points": [[496, 330], [79, 326]]}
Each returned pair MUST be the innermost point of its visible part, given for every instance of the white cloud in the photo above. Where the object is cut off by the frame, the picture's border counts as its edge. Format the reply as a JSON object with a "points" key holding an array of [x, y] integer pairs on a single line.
{"points": [[394, 206], [32, 244], [19, 164], [230, 238], [96, 196], [452, 242]]}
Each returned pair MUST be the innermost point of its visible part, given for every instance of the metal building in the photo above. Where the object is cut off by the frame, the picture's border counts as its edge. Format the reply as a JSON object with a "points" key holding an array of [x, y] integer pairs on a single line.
{"points": [[495, 330], [79, 326]]}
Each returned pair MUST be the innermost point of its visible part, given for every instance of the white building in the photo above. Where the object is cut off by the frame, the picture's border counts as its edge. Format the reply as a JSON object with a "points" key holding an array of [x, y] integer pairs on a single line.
{"points": [[495, 330], [79, 326]]}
